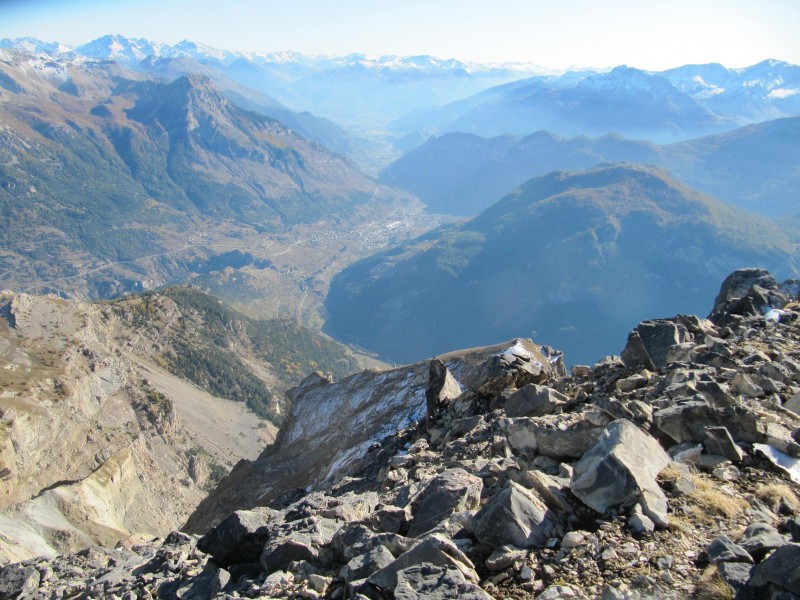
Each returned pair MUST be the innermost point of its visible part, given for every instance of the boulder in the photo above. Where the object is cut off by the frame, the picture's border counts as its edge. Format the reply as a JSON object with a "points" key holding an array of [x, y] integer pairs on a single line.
{"points": [[534, 400], [505, 556], [364, 565], [718, 440], [18, 581], [522, 363], [296, 540], [435, 550], [515, 516], [688, 420], [442, 388], [747, 292], [722, 549], [649, 343], [238, 539], [759, 538], [781, 569], [735, 574], [432, 582], [620, 470], [450, 492]]}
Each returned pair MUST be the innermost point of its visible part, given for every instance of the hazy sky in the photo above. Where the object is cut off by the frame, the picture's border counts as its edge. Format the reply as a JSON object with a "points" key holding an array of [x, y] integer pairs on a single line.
{"points": [[647, 34]]}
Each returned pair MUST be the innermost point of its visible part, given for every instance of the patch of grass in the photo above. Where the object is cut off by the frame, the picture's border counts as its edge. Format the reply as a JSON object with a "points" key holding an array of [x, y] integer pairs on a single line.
{"points": [[712, 587], [778, 496], [708, 502]]}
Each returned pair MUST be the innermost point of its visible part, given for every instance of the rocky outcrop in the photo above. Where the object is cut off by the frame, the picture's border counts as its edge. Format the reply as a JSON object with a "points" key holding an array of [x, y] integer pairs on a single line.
{"points": [[370, 406], [660, 487]]}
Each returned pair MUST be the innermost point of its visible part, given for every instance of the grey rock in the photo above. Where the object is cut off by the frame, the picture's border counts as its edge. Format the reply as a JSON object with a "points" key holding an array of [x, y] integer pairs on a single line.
{"points": [[722, 549], [441, 390], [746, 292], [277, 555], [735, 574], [629, 384], [238, 539], [534, 400], [649, 343], [557, 592], [18, 581], [364, 565], [521, 435], [759, 538], [453, 491], [206, 585], [514, 516], [296, 540], [504, 556], [781, 568], [716, 395], [793, 404], [435, 550], [687, 422], [389, 519], [431, 582], [620, 470], [566, 441], [742, 384], [639, 522], [546, 487], [793, 526], [718, 440]]}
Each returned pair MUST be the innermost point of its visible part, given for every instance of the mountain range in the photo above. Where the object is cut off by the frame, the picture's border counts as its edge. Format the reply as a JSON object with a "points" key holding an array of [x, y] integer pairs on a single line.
{"points": [[660, 107], [104, 165], [417, 96], [359, 91], [571, 259], [755, 167]]}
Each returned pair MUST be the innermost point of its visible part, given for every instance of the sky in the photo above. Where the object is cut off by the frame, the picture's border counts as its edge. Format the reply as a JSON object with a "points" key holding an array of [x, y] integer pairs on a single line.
{"points": [[557, 34]]}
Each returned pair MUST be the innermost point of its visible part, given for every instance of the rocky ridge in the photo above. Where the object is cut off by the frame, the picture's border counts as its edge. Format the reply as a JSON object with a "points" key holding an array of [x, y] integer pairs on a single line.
{"points": [[665, 472]]}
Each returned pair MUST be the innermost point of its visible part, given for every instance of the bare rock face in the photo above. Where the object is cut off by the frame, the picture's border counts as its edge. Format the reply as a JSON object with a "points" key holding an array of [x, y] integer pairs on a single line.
{"points": [[311, 449]]}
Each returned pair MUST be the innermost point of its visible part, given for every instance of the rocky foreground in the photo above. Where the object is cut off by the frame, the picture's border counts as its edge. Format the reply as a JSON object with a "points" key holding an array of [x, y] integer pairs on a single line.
{"points": [[666, 472]]}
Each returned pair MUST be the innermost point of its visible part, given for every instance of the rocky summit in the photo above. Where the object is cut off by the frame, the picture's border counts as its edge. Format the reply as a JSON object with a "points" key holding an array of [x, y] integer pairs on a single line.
{"points": [[669, 471]]}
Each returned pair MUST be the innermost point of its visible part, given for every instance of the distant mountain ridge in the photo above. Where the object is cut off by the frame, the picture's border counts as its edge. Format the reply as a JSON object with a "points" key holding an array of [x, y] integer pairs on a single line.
{"points": [[661, 107], [756, 167], [572, 259]]}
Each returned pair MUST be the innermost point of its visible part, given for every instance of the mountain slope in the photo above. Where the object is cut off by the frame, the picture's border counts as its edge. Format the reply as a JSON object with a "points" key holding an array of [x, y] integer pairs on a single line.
{"points": [[572, 259], [754, 167], [104, 166], [116, 418], [462, 173]]}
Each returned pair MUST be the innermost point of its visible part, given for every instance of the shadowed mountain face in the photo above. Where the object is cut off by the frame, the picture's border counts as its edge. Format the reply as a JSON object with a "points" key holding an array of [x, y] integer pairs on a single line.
{"points": [[756, 167], [573, 260]]}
